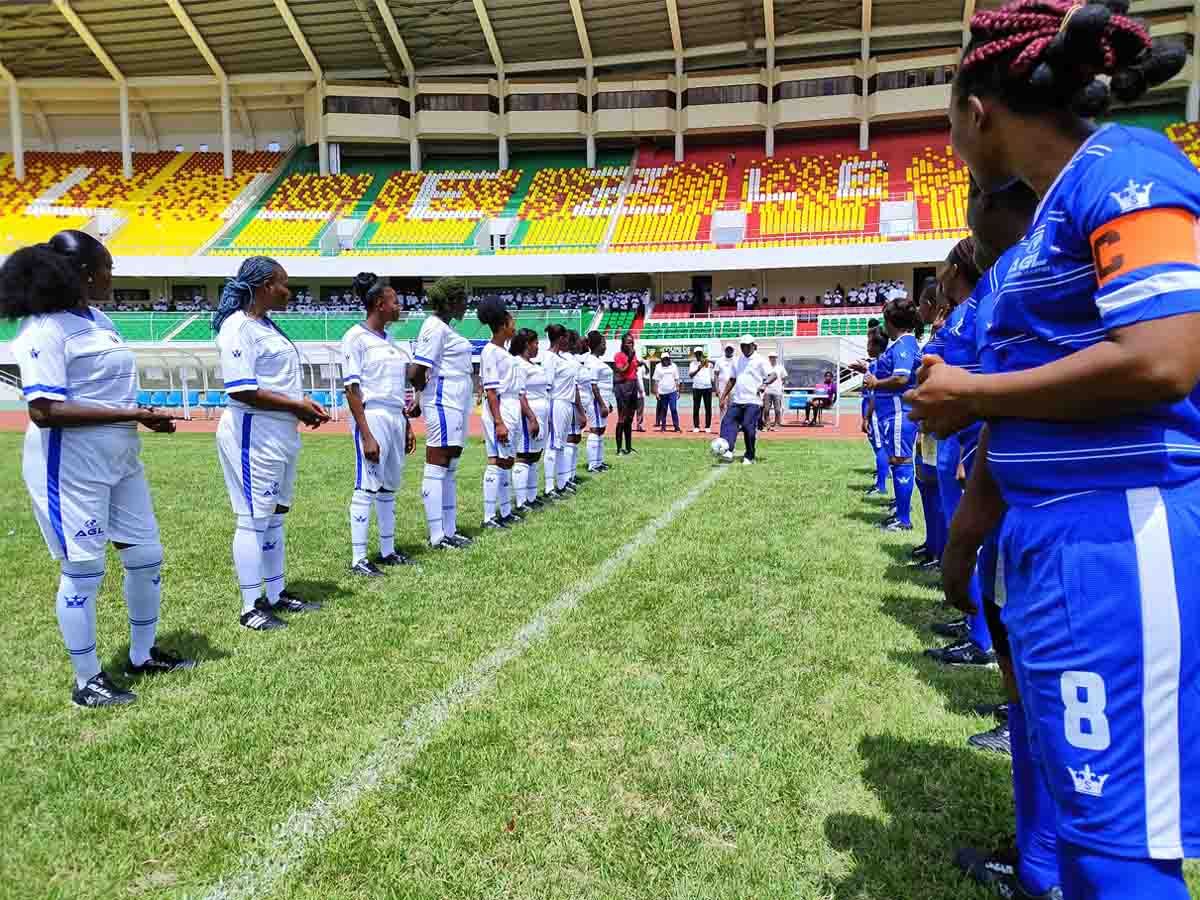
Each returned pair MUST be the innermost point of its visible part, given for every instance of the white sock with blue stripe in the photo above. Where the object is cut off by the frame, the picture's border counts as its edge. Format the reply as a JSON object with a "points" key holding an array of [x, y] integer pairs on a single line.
{"points": [[360, 525], [531, 483], [75, 606], [566, 467], [143, 597], [491, 490], [520, 477], [550, 464], [504, 491], [450, 499], [248, 559], [274, 558], [431, 495], [385, 518], [593, 451]]}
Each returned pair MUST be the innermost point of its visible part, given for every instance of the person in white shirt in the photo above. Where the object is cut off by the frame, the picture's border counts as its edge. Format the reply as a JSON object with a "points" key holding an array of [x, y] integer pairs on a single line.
{"points": [[375, 375], [578, 353], [596, 389], [701, 371], [560, 369], [643, 388], [744, 396], [257, 441], [502, 414], [82, 455], [774, 394], [535, 410], [666, 389], [724, 372], [443, 373]]}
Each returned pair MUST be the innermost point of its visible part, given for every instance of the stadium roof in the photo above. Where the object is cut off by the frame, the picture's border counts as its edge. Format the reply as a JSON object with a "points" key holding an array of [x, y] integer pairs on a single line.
{"points": [[383, 38]]}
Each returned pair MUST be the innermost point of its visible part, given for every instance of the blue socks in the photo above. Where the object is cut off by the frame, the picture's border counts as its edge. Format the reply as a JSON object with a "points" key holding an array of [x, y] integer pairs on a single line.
{"points": [[977, 624], [931, 505], [902, 480], [881, 470], [1037, 836]]}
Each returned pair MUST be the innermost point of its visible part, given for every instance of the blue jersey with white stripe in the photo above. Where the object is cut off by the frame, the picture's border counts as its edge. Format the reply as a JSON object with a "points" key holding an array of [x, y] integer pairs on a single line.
{"points": [[900, 358], [936, 345], [867, 393], [1113, 243]]}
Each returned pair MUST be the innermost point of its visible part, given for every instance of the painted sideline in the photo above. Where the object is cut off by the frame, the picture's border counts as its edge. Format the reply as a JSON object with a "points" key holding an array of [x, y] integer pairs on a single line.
{"points": [[291, 840]]}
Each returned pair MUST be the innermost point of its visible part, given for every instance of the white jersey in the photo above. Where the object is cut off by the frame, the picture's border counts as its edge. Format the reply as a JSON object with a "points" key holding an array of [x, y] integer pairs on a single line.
{"points": [[561, 370], [77, 357], [498, 372], [751, 371], [442, 350], [256, 355], [536, 385], [601, 375], [376, 365]]}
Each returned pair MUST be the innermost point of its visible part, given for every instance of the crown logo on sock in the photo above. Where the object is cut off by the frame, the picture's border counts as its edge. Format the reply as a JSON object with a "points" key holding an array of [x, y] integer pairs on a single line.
{"points": [[1088, 782]]}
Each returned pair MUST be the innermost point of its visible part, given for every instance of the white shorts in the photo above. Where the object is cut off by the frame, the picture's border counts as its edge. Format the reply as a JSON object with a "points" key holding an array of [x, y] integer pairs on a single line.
{"points": [[562, 417], [447, 403], [258, 456], [88, 487], [389, 428], [510, 412], [594, 410], [575, 426], [526, 442]]}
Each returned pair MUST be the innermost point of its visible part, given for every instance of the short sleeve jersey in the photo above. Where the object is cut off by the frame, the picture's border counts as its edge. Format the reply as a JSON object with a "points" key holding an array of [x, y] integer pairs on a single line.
{"points": [[76, 357], [867, 393], [600, 374], [900, 358], [498, 371], [256, 355], [1113, 243], [376, 365], [560, 370], [537, 386], [442, 350], [750, 372]]}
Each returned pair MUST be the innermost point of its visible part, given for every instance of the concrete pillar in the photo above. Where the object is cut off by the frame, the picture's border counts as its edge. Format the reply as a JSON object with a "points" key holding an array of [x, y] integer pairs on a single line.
{"points": [[322, 132], [15, 125], [1193, 101], [503, 152], [126, 140], [226, 128], [770, 137], [864, 134], [591, 112], [414, 153], [679, 109]]}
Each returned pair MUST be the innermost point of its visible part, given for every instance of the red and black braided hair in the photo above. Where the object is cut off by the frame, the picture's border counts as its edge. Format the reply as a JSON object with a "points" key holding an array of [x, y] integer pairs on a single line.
{"points": [[1046, 55]]}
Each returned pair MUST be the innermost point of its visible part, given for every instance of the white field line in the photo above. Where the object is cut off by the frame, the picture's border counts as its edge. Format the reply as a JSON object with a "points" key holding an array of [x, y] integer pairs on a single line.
{"points": [[261, 869]]}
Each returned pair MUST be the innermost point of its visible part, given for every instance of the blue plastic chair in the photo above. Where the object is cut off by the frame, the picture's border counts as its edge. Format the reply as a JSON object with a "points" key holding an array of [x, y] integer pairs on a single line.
{"points": [[797, 402], [193, 399], [212, 400], [143, 398], [174, 400], [158, 398], [321, 397]]}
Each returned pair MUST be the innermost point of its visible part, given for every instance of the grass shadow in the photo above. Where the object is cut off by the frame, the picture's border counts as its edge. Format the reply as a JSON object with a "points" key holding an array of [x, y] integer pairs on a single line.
{"points": [[963, 687], [320, 591], [188, 644], [927, 791]]}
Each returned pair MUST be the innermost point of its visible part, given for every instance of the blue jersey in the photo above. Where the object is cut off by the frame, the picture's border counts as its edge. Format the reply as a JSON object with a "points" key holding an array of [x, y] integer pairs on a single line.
{"points": [[957, 337], [900, 358], [867, 393], [936, 345], [1113, 243]]}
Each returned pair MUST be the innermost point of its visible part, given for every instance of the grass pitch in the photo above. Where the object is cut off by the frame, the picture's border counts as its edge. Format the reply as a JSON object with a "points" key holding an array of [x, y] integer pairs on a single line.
{"points": [[739, 709]]}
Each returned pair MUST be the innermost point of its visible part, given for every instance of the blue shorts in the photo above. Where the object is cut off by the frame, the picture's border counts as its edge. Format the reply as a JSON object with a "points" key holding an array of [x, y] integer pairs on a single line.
{"points": [[1101, 597], [896, 430]]}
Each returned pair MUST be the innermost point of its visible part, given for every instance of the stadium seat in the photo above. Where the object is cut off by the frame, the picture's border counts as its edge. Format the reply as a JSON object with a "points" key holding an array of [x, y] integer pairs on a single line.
{"points": [[211, 401], [670, 207], [143, 398], [158, 398]]}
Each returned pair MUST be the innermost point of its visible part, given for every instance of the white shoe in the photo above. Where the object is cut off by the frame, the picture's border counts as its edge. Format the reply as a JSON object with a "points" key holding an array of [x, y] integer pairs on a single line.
{"points": [[728, 457], [709, 429], [747, 462], [695, 431]]}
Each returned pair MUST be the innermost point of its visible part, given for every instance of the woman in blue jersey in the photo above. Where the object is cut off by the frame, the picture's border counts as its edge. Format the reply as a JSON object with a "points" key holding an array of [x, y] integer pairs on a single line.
{"points": [[931, 309], [535, 410], [877, 342], [441, 373], [257, 440], [375, 373], [596, 394], [1088, 374], [502, 412], [895, 374], [82, 458]]}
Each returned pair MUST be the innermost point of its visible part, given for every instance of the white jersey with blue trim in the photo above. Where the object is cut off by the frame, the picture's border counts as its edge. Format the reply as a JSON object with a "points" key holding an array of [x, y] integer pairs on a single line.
{"points": [[535, 384], [255, 354], [377, 365], [561, 369], [442, 350], [600, 374], [498, 372], [76, 357], [900, 358], [1113, 243]]}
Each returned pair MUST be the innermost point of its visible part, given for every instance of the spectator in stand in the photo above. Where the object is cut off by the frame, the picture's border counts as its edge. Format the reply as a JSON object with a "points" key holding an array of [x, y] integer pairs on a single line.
{"points": [[700, 370], [666, 389], [774, 395], [826, 394]]}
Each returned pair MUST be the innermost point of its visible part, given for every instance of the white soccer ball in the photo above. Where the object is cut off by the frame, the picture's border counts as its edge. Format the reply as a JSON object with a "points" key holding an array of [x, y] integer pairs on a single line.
{"points": [[719, 446]]}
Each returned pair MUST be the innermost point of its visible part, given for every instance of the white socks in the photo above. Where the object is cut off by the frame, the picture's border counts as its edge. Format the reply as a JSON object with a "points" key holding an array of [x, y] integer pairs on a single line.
{"points": [[531, 483], [248, 558], [75, 605], [566, 466], [491, 489], [273, 558], [432, 488], [505, 488], [360, 525], [573, 460], [595, 449], [450, 499], [550, 463], [520, 478], [143, 596], [385, 518]]}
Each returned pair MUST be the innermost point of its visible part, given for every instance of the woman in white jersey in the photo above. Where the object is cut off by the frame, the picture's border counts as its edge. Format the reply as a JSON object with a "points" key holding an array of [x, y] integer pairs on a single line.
{"points": [[82, 460], [375, 372], [560, 370], [443, 374], [535, 411], [577, 352], [257, 441], [502, 412], [597, 385]]}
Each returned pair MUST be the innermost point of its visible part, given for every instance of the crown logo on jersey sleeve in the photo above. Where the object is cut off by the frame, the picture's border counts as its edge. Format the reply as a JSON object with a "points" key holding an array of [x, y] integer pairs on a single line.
{"points": [[1133, 196], [1088, 782]]}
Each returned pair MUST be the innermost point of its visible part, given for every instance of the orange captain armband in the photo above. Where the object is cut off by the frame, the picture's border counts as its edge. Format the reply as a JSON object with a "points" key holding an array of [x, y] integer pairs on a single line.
{"points": [[1147, 237]]}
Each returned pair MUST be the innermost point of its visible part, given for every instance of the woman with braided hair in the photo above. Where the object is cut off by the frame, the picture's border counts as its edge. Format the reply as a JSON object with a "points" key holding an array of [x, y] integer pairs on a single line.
{"points": [[1089, 363]]}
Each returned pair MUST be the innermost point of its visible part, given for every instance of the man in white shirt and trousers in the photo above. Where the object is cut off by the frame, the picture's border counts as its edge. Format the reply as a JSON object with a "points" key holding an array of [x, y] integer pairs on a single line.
{"points": [[774, 395], [752, 375]]}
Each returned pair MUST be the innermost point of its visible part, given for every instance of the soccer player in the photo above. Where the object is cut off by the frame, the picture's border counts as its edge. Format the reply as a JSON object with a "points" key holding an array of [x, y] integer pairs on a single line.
{"points": [[577, 355], [502, 412], [877, 341], [442, 372], [895, 374], [535, 410], [82, 458], [375, 373], [743, 399], [257, 440], [560, 374], [597, 382], [1088, 382], [930, 310]]}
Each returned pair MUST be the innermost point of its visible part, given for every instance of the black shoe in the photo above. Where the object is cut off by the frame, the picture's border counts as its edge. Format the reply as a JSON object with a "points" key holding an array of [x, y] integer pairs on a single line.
{"points": [[551, 497], [919, 561], [100, 691], [603, 467], [394, 559], [965, 653], [289, 602], [997, 711], [955, 630], [458, 541], [872, 492], [366, 569], [997, 740], [261, 619], [896, 525], [159, 663], [932, 565], [567, 489], [510, 520], [998, 873], [921, 550], [536, 503], [494, 525], [882, 525], [631, 449]]}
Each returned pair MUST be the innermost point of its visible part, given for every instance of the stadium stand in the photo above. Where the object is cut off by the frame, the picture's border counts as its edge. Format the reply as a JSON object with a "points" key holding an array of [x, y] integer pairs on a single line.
{"points": [[939, 184], [614, 323], [567, 209], [669, 206], [718, 328], [1186, 136]]}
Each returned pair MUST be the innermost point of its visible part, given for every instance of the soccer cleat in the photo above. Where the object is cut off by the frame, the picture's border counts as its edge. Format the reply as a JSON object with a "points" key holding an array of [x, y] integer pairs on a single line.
{"points": [[695, 431], [873, 492], [882, 525], [510, 520], [536, 503], [458, 541], [567, 489], [100, 691], [603, 467], [965, 653], [551, 497], [997, 711], [896, 525], [997, 740], [261, 619], [494, 525], [159, 663], [747, 462], [955, 630], [727, 457], [931, 565], [289, 602], [366, 569], [394, 559], [921, 550], [998, 873]]}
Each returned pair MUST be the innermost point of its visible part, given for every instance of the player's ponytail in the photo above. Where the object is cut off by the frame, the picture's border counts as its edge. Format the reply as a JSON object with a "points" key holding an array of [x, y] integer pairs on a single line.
{"points": [[903, 314], [36, 281], [521, 341], [238, 293], [595, 340], [368, 288]]}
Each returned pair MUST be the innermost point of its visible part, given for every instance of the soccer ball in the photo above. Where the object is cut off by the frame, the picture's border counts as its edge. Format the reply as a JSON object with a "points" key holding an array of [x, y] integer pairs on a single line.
{"points": [[719, 447]]}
